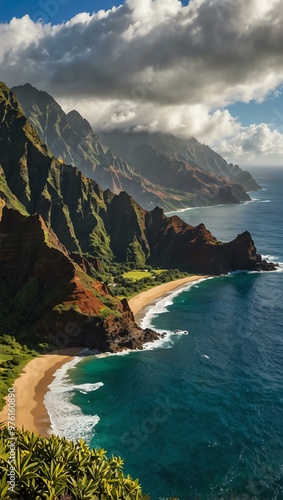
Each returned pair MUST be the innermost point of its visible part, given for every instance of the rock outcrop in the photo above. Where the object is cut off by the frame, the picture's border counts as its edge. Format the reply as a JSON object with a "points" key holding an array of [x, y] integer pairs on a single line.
{"points": [[194, 249]]}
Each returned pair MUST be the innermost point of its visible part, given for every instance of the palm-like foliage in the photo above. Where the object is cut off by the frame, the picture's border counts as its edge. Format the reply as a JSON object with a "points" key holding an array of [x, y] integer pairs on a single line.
{"points": [[56, 469]]}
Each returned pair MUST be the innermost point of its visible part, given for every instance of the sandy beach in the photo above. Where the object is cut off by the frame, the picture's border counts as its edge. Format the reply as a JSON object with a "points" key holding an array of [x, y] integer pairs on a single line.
{"points": [[31, 387], [141, 302]]}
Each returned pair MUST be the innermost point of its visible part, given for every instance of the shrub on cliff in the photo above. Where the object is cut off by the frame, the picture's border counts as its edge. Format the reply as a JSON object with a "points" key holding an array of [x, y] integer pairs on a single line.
{"points": [[54, 468], [13, 357]]}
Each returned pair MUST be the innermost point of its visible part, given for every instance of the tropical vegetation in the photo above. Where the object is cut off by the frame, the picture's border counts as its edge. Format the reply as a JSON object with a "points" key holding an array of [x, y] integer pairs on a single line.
{"points": [[127, 280], [57, 469]]}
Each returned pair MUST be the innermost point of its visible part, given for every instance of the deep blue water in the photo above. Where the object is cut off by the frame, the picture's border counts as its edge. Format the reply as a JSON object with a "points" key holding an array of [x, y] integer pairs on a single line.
{"points": [[202, 416]]}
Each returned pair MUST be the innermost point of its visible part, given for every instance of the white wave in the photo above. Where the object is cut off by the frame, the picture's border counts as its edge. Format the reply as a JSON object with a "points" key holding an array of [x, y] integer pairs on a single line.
{"points": [[86, 388], [272, 258], [279, 268], [258, 200], [242, 271], [164, 342], [181, 211], [204, 207], [181, 332], [120, 353], [252, 200], [66, 418], [275, 259]]}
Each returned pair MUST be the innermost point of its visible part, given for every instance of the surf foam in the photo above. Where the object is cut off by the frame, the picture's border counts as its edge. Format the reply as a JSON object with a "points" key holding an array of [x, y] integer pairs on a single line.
{"points": [[66, 418]]}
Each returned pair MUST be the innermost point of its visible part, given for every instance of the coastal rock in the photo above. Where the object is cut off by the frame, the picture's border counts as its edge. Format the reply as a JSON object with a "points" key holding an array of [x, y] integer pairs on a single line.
{"points": [[194, 249]]}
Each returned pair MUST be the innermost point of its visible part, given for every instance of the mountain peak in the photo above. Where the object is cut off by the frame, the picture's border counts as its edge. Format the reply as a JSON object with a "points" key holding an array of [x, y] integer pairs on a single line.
{"points": [[79, 124], [28, 86], [31, 94], [8, 97], [3, 87]]}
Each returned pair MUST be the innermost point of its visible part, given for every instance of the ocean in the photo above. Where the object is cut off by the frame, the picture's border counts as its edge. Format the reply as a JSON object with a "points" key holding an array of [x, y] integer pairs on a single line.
{"points": [[198, 415]]}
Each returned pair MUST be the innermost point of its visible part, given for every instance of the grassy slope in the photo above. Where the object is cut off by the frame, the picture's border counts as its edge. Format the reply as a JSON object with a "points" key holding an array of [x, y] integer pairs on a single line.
{"points": [[138, 275], [8, 197], [130, 283]]}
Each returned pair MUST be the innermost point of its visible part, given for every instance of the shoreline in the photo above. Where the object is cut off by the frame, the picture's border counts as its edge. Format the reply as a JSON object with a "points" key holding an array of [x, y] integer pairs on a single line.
{"points": [[32, 385], [142, 302]]}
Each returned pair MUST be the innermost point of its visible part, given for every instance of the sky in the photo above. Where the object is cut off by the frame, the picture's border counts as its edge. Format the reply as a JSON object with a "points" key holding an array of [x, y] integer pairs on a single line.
{"points": [[212, 69]]}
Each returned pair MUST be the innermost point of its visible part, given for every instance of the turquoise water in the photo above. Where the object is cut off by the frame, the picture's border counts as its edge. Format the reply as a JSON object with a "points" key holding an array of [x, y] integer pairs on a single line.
{"points": [[201, 416]]}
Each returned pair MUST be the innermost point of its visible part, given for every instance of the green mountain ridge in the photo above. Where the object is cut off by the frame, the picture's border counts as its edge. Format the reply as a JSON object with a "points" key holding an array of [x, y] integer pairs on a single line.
{"points": [[156, 169], [173, 161], [71, 138]]}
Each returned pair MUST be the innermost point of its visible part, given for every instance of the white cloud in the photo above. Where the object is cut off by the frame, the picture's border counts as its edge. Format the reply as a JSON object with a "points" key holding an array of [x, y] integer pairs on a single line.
{"points": [[148, 14], [17, 36], [253, 143], [159, 65]]}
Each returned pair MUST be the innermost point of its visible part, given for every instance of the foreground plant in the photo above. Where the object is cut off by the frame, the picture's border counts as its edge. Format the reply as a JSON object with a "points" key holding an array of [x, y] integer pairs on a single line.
{"points": [[57, 469]]}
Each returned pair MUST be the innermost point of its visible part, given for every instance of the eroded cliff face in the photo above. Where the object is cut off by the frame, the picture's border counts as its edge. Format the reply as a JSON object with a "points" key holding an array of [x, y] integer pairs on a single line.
{"points": [[51, 299]]}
